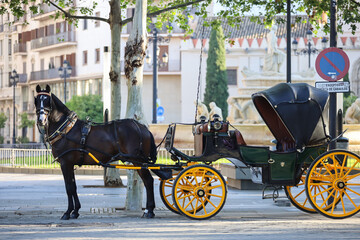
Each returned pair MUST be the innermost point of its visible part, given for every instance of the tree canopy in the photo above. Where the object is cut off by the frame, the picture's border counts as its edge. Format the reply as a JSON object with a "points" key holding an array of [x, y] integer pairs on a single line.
{"points": [[87, 106], [3, 119], [177, 11], [216, 89]]}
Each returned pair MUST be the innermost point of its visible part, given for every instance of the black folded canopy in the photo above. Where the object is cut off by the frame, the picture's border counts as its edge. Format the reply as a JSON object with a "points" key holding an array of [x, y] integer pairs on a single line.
{"points": [[294, 112]]}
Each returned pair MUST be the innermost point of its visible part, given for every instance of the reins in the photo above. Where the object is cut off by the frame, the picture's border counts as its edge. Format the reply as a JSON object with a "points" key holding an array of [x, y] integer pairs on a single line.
{"points": [[199, 77]]}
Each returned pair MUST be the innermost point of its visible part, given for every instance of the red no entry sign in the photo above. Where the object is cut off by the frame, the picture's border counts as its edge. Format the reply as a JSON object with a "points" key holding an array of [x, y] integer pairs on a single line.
{"points": [[332, 64]]}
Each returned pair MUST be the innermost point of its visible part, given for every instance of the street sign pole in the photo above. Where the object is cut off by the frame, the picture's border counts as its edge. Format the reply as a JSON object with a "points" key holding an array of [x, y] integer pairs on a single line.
{"points": [[332, 103]]}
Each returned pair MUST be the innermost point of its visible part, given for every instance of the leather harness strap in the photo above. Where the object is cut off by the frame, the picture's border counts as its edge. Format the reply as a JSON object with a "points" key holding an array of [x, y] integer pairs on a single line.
{"points": [[63, 129]]}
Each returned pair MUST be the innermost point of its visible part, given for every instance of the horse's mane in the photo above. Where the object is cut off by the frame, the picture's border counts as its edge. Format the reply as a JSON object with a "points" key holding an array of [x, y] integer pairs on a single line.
{"points": [[59, 105]]}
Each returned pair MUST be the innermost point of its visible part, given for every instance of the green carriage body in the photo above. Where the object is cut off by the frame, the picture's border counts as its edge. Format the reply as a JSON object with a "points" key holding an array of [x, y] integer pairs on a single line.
{"points": [[294, 113]]}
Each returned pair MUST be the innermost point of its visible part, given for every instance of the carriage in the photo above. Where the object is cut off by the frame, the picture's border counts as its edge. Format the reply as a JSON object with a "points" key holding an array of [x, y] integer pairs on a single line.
{"points": [[314, 179]]}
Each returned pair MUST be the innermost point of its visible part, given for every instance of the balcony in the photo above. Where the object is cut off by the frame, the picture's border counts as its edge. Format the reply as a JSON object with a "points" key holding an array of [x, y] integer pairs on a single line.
{"points": [[43, 12], [23, 78], [61, 39], [48, 74], [20, 48]]}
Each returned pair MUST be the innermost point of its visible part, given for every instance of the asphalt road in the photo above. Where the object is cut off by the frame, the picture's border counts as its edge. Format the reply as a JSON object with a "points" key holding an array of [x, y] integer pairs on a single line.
{"points": [[31, 207]]}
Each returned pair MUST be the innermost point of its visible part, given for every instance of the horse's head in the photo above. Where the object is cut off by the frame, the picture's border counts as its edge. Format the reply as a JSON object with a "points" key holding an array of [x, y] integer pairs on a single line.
{"points": [[43, 105]]}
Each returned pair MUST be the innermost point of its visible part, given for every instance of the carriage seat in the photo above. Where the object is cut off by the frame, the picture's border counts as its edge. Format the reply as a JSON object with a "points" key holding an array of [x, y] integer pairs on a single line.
{"points": [[237, 136]]}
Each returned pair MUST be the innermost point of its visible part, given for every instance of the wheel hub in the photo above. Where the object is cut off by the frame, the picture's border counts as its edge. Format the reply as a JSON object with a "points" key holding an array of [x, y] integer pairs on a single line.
{"points": [[200, 192], [339, 184]]}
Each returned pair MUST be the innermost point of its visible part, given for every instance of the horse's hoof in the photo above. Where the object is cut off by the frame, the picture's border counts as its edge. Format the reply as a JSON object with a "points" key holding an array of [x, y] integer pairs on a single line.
{"points": [[148, 214], [66, 216], [74, 215]]}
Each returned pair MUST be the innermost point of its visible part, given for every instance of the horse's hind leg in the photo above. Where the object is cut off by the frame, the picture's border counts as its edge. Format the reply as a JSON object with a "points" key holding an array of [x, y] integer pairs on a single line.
{"points": [[70, 185], [149, 186]]}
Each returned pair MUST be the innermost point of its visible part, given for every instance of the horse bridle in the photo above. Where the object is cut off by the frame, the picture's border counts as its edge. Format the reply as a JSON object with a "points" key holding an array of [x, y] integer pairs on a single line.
{"points": [[43, 110], [63, 129]]}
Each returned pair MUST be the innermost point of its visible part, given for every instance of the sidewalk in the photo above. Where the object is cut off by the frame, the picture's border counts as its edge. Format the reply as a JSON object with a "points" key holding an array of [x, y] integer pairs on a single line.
{"points": [[31, 206]]}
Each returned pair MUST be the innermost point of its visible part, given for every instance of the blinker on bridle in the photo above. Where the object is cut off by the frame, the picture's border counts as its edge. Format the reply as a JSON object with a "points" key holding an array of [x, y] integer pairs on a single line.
{"points": [[47, 109]]}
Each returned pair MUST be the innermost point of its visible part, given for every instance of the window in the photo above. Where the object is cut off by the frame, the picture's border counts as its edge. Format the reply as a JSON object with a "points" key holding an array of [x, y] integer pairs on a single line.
{"points": [[97, 55], [85, 55], [9, 47], [85, 24], [232, 76], [97, 22]]}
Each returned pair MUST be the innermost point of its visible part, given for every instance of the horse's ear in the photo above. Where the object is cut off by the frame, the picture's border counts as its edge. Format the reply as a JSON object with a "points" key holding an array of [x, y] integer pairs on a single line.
{"points": [[47, 88], [38, 88]]}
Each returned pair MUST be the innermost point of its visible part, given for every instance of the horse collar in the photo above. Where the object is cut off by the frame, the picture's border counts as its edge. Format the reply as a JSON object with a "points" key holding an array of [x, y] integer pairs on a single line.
{"points": [[64, 128]]}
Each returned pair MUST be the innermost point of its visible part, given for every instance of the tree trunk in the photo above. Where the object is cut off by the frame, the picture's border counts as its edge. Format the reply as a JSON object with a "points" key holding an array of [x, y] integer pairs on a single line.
{"points": [[112, 175], [134, 60]]}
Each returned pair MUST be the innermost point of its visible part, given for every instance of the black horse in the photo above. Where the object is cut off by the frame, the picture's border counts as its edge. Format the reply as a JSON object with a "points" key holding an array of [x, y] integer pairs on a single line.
{"points": [[71, 139]]}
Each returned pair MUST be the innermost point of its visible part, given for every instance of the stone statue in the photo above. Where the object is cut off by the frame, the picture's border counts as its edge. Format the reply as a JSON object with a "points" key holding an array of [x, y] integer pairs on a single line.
{"points": [[352, 115], [243, 114], [201, 111], [235, 115], [274, 57], [215, 110]]}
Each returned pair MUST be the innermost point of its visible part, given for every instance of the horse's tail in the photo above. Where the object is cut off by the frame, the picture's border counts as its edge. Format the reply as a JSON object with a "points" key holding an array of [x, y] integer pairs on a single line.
{"points": [[153, 149]]}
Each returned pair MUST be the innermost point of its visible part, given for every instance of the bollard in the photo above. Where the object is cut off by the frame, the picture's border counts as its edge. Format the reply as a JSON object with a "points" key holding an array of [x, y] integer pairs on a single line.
{"points": [[342, 142]]}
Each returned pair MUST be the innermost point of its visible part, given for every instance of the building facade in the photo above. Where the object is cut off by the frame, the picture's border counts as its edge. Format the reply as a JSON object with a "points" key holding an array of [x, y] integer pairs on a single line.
{"points": [[38, 49]]}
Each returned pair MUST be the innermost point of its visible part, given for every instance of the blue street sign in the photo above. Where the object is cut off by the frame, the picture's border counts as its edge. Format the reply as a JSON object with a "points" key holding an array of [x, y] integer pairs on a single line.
{"points": [[160, 111], [332, 64]]}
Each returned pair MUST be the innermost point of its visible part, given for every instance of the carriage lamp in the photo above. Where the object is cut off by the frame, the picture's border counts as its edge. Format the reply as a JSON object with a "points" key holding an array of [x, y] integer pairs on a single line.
{"points": [[14, 79], [65, 72]]}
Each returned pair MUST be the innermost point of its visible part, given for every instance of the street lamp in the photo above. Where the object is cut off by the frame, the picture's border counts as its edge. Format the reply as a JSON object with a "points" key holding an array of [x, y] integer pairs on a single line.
{"points": [[14, 79], [310, 50], [65, 72], [156, 63]]}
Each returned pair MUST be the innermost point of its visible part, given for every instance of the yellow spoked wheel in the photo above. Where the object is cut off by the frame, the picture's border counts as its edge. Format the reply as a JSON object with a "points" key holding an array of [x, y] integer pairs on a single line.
{"points": [[165, 188], [199, 192], [297, 196], [335, 176]]}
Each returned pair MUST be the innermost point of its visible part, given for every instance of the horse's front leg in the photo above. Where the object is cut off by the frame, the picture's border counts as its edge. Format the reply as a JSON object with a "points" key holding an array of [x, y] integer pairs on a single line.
{"points": [[73, 199], [149, 186]]}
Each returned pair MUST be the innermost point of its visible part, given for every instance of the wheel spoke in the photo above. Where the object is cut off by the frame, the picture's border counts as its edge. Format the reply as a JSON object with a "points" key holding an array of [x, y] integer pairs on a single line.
{"points": [[342, 203], [203, 205], [349, 189], [213, 187], [305, 202], [326, 167], [350, 198], [352, 167], [321, 184], [300, 193], [208, 182], [330, 194], [320, 193], [190, 203], [343, 165], [185, 196], [203, 177], [352, 176], [208, 200], [190, 183], [334, 202], [195, 209], [214, 195]]}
